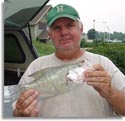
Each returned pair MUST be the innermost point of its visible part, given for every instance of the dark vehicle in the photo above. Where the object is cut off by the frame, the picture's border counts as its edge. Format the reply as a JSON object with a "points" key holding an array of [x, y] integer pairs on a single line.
{"points": [[18, 53]]}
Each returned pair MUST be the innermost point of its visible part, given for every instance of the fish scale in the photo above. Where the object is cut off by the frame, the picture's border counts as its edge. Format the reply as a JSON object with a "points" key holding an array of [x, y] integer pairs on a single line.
{"points": [[52, 81]]}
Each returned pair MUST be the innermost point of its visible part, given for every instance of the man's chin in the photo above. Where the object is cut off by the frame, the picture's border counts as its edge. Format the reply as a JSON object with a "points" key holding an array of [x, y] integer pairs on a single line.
{"points": [[67, 48]]}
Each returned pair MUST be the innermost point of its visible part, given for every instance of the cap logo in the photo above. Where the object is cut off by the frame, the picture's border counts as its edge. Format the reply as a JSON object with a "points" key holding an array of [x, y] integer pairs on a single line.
{"points": [[59, 8]]}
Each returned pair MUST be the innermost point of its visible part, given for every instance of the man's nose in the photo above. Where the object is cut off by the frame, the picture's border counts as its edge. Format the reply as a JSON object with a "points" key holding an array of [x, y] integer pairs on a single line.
{"points": [[64, 30]]}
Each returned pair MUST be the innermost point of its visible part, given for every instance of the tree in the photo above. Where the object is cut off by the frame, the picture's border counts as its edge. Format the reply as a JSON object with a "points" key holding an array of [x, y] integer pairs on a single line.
{"points": [[91, 34]]}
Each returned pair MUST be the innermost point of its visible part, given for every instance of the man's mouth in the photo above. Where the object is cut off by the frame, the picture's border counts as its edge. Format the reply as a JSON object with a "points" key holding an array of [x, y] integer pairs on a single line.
{"points": [[65, 41]]}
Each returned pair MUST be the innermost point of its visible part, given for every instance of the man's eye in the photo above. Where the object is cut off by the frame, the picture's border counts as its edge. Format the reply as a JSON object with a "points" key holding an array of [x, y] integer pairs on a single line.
{"points": [[56, 28], [70, 25]]}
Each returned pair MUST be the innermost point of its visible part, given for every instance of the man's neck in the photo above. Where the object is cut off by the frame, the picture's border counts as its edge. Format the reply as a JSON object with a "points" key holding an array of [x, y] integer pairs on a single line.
{"points": [[69, 55]]}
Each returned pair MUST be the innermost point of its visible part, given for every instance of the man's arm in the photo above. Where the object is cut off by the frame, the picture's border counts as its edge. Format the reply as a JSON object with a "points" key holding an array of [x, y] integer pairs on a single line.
{"points": [[117, 100], [101, 81]]}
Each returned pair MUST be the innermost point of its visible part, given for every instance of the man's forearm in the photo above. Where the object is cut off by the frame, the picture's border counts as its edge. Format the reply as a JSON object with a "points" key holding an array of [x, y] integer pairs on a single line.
{"points": [[117, 101]]}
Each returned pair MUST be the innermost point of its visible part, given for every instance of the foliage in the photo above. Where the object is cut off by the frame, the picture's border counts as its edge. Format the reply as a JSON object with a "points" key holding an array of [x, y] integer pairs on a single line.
{"points": [[107, 35], [91, 34], [110, 36], [83, 42], [43, 48], [114, 51]]}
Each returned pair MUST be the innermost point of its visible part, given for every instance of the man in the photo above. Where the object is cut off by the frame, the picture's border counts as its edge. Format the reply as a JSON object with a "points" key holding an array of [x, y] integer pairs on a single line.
{"points": [[101, 95]]}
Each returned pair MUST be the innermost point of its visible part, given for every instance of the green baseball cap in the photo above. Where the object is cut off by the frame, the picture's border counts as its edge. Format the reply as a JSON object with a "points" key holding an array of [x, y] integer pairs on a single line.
{"points": [[62, 10]]}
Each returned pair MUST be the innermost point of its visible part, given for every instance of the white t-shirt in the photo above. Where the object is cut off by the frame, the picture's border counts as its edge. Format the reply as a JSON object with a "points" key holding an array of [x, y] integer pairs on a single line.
{"points": [[84, 101]]}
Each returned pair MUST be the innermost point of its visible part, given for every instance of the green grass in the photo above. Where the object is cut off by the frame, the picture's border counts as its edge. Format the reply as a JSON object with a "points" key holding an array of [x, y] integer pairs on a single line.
{"points": [[43, 48], [114, 51]]}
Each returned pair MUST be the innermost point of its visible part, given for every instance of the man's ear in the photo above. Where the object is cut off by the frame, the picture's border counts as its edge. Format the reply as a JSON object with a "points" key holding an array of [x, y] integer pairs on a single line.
{"points": [[81, 28], [49, 35]]}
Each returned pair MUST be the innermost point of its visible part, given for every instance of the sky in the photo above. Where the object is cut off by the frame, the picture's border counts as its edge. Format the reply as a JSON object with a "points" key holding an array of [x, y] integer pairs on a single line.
{"points": [[109, 15]]}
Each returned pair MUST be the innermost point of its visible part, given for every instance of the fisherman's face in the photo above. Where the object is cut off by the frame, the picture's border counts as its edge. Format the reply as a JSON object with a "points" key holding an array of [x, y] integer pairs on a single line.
{"points": [[66, 33]]}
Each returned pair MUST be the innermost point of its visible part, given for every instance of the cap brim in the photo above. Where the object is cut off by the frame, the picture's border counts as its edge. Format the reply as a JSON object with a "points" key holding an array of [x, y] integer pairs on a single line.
{"points": [[61, 16]]}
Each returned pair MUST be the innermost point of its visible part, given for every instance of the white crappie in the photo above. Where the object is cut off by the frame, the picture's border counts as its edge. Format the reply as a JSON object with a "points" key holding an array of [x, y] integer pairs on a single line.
{"points": [[52, 81]]}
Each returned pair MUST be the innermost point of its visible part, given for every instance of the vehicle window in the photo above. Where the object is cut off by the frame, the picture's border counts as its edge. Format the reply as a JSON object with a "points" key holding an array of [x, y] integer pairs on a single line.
{"points": [[12, 50]]}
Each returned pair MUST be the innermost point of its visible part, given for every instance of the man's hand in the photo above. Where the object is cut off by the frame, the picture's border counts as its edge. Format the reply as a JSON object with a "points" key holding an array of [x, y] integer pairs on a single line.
{"points": [[26, 105], [99, 79]]}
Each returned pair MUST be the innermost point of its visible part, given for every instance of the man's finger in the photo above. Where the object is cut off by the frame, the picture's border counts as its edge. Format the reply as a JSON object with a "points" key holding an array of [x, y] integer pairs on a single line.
{"points": [[98, 67], [30, 108], [30, 99]]}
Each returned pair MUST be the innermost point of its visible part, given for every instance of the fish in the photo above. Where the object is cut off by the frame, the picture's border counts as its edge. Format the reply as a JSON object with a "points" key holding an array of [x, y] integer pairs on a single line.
{"points": [[54, 81]]}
